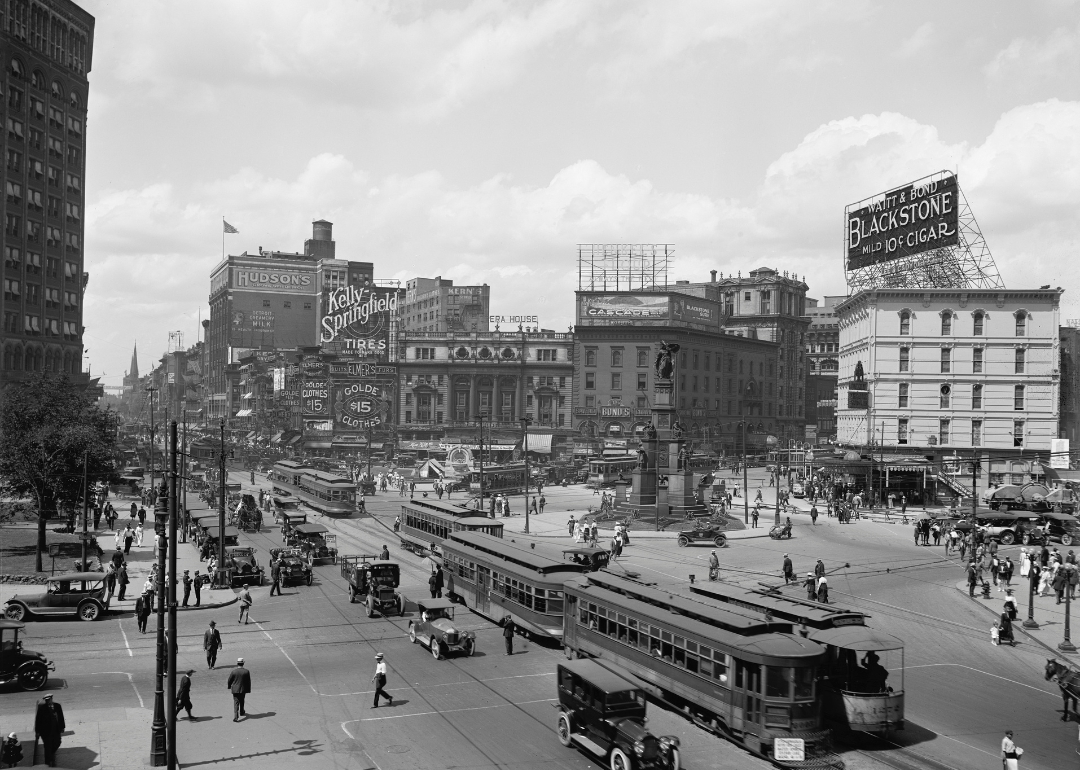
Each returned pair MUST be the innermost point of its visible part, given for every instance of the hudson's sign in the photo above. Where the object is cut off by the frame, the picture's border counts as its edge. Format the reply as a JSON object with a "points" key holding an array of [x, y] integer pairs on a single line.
{"points": [[273, 280]]}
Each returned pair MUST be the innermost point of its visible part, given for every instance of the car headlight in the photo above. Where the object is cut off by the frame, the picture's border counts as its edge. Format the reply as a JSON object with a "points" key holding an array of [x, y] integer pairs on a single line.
{"points": [[669, 742], [639, 748]]}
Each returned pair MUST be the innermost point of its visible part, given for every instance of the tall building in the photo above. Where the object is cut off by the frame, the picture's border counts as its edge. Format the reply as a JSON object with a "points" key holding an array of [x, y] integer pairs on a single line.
{"points": [[436, 305], [1069, 422], [768, 305], [822, 354], [274, 301], [949, 375], [46, 48], [722, 379]]}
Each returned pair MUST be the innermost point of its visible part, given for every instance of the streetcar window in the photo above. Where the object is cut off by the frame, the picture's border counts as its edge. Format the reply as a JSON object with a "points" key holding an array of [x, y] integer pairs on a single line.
{"points": [[666, 651], [705, 667], [691, 646], [680, 656], [691, 663], [680, 642], [777, 682], [804, 683], [777, 716], [632, 637]]}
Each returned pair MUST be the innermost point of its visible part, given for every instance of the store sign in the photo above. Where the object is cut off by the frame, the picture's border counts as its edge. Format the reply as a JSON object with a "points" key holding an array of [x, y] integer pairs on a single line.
{"points": [[526, 320], [858, 399], [1059, 453], [361, 369], [359, 405], [286, 281], [903, 221], [694, 311], [615, 412], [315, 398], [358, 318], [651, 306]]}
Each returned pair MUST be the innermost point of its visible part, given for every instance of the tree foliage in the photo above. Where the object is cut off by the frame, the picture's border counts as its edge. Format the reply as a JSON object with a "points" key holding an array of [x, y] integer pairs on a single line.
{"points": [[47, 425]]}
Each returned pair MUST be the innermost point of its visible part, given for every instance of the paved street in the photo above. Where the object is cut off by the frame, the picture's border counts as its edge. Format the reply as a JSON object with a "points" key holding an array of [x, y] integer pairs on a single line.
{"points": [[311, 654]]}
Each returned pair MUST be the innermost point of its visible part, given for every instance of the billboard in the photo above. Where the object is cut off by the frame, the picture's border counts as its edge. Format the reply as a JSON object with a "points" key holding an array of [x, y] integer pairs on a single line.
{"points": [[903, 221], [1059, 453], [625, 306], [279, 281], [694, 310], [362, 404], [315, 397], [356, 321]]}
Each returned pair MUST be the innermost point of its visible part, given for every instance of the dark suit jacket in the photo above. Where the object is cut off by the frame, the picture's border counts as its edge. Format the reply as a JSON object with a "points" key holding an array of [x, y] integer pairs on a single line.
{"points": [[49, 720], [183, 690], [211, 639], [239, 680]]}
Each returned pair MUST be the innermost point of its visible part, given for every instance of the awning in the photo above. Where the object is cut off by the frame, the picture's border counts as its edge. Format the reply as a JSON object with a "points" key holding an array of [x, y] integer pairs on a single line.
{"points": [[293, 440], [243, 413], [246, 396], [1060, 474], [917, 467], [319, 444], [277, 437], [251, 434], [377, 445], [540, 443]]}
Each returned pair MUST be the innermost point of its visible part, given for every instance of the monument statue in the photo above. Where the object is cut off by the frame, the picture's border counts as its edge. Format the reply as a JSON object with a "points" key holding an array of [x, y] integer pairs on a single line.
{"points": [[677, 429], [650, 431], [642, 460], [859, 374], [665, 359]]}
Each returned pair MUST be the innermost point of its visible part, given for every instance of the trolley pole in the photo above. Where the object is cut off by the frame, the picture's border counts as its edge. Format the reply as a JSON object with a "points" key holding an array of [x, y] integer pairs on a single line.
{"points": [[159, 747], [151, 390], [1033, 578], [170, 652], [745, 483], [221, 509], [85, 514], [525, 449]]}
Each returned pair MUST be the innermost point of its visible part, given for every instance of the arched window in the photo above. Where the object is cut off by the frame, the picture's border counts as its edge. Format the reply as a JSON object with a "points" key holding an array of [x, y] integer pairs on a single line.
{"points": [[57, 89], [17, 359], [1021, 323], [946, 323], [980, 318], [16, 69], [946, 396], [74, 101], [37, 80], [905, 322]]}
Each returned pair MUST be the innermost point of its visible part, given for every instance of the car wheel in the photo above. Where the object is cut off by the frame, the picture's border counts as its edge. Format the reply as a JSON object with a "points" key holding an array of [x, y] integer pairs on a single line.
{"points": [[412, 634], [683, 542], [352, 595], [1025, 539], [1066, 539], [676, 762], [33, 676], [370, 609], [436, 648], [401, 607], [309, 578], [619, 760], [720, 541], [470, 647], [1007, 538], [89, 611], [564, 730], [15, 612]]}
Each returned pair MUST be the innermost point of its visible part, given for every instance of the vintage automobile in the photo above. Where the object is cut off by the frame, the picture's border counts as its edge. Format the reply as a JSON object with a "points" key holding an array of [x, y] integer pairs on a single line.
{"points": [[315, 540], [30, 669], [798, 489], [81, 594], [242, 566], [295, 565], [435, 628], [283, 503], [706, 533], [289, 521], [246, 515], [595, 558], [212, 534], [1051, 526], [374, 581], [604, 714]]}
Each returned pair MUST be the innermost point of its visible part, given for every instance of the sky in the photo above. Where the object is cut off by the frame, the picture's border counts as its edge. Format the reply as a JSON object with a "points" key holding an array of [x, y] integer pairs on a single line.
{"points": [[482, 140]]}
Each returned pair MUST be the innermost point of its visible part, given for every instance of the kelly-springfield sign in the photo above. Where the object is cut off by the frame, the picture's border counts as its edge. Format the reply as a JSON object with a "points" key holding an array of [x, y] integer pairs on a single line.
{"points": [[906, 220], [358, 318]]}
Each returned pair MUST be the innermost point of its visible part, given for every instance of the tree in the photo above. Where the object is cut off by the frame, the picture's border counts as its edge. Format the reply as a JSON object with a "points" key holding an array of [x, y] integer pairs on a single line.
{"points": [[47, 425]]}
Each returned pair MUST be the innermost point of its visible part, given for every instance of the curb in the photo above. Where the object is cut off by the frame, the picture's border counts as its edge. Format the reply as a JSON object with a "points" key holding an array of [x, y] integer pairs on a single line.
{"points": [[1017, 625], [214, 606]]}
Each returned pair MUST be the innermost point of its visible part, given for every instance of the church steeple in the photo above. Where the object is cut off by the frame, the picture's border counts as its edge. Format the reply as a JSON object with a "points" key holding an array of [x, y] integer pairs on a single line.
{"points": [[133, 373]]}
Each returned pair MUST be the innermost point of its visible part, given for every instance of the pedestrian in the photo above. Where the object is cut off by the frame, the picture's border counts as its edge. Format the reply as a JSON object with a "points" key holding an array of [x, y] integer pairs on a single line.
{"points": [[1006, 572], [714, 566], [1005, 632], [543, 502], [810, 584], [142, 516], [918, 532], [823, 590], [616, 547], [129, 537], [535, 505], [1059, 582], [1010, 604], [570, 525], [211, 644], [384, 555], [245, 605], [275, 577], [819, 569], [432, 585], [123, 579], [972, 578], [1010, 752], [995, 568], [754, 517], [11, 752], [509, 628], [142, 610], [187, 587], [813, 514], [903, 505], [139, 535], [240, 685], [198, 588], [183, 694], [49, 726], [110, 582], [379, 679], [157, 543], [789, 570], [117, 558]]}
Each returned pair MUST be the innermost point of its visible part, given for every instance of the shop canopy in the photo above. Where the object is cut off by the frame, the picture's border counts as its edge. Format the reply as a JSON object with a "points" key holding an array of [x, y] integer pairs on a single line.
{"points": [[246, 396], [244, 413], [319, 444], [540, 443]]}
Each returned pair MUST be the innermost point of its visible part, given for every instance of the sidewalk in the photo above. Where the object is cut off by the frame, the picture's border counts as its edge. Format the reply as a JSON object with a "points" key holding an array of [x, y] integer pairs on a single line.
{"points": [[102, 739]]}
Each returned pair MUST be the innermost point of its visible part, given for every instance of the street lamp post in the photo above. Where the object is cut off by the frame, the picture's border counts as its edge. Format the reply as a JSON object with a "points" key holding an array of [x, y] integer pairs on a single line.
{"points": [[1033, 578], [1066, 644], [152, 390], [480, 417], [170, 652], [159, 729], [525, 421], [745, 482], [221, 508]]}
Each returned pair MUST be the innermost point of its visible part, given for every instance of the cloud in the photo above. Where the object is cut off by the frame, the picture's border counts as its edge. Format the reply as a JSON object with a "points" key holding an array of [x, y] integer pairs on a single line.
{"points": [[1050, 64], [919, 41]]}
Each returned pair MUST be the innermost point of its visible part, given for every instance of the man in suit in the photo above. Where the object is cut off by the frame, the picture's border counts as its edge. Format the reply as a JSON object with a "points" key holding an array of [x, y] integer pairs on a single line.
{"points": [[240, 685], [49, 726], [183, 693], [142, 611], [508, 634], [211, 644]]}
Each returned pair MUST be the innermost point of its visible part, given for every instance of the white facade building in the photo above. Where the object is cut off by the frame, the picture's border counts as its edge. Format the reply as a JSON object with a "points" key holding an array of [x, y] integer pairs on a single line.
{"points": [[949, 371]]}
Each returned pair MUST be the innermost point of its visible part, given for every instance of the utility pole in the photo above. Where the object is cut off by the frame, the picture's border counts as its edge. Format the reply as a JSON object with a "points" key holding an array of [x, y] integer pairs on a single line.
{"points": [[525, 448], [745, 483], [174, 500], [159, 730], [183, 480], [480, 417], [85, 513], [151, 390], [221, 508]]}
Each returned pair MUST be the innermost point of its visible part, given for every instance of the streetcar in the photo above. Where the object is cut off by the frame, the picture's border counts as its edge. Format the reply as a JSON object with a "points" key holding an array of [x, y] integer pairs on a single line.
{"points": [[425, 524], [508, 478], [497, 578], [862, 684], [733, 671], [603, 472], [326, 492]]}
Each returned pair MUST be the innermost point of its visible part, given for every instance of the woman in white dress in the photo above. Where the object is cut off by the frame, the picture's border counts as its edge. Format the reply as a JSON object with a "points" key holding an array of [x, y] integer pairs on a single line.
{"points": [[1025, 562], [1046, 578]]}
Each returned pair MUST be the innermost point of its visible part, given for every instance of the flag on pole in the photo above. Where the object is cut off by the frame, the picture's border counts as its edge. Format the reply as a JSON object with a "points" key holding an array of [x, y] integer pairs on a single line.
{"points": [[229, 228]]}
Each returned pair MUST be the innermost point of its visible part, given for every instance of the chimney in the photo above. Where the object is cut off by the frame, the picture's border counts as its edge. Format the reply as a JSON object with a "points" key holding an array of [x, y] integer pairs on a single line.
{"points": [[713, 274]]}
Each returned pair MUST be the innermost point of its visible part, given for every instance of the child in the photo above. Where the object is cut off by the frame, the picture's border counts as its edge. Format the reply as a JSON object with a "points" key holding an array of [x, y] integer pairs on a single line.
{"points": [[995, 634], [11, 752]]}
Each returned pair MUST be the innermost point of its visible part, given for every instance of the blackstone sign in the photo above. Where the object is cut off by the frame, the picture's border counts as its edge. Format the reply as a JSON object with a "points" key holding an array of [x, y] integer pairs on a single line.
{"points": [[904, 221], [359, 319]]}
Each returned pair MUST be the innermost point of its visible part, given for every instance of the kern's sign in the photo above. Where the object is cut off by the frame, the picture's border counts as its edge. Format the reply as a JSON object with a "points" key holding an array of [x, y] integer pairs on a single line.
{"points": [[904, 221]]}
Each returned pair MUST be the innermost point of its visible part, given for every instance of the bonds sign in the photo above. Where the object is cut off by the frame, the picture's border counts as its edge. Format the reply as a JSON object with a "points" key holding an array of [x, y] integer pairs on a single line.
{"points": [[904, 221]]}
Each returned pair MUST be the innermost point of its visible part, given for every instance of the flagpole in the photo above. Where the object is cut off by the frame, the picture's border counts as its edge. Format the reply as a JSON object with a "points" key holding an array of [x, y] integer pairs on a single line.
{"points": [[222, 238]]}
